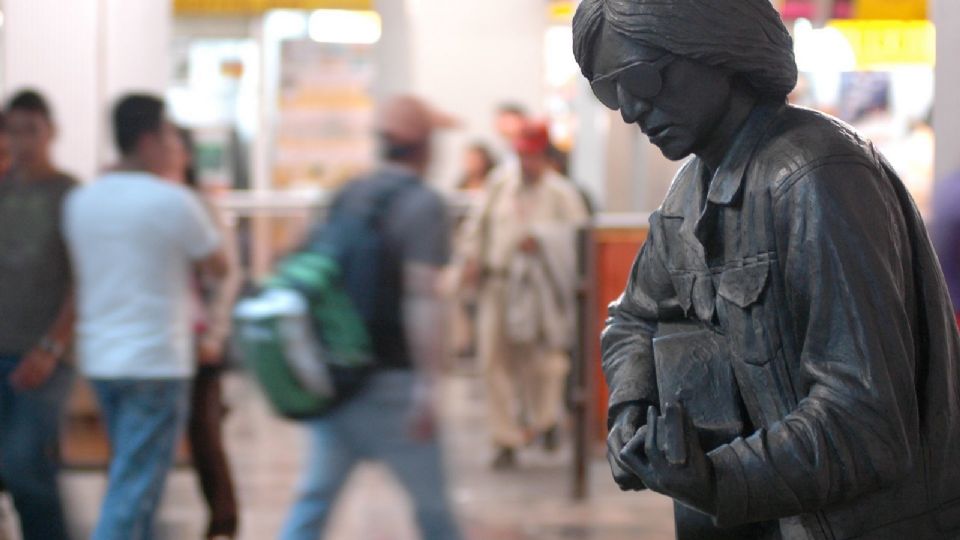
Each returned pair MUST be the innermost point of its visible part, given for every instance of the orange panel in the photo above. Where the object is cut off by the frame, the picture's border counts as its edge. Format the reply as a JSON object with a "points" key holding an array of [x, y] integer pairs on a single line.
{"points": [[615, 251]]}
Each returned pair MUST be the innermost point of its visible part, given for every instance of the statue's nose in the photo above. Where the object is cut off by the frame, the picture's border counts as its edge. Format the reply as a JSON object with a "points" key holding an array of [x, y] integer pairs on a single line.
{"points": [[631, 108]]}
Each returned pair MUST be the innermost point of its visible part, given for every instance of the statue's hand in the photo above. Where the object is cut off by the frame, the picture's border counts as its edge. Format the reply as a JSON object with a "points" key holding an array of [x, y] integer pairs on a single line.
{"points": [[624, 428], [666, 454]]}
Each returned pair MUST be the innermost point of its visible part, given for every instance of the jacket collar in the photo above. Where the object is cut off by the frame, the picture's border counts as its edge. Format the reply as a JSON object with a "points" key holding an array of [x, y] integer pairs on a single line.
{"points": [[727, 183]]}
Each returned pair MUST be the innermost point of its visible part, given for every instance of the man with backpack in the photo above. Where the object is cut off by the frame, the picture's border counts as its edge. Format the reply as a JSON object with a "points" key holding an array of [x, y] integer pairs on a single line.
{"points": [[391, 419]]}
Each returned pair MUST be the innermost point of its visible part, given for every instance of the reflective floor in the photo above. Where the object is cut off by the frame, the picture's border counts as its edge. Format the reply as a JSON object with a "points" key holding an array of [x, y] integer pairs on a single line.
{"points": [[529, 503]]}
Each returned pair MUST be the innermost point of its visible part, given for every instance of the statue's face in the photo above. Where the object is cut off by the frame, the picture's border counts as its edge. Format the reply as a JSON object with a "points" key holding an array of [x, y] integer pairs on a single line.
{"points": [[689, 101]]}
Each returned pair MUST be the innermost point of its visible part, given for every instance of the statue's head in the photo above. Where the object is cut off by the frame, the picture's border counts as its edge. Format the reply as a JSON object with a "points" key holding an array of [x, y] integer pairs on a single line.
{"points": [[672, 66]]}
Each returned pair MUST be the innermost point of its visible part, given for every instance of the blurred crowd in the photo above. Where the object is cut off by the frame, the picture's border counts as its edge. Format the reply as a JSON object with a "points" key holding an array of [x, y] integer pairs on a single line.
{"points": [[128, 280]]}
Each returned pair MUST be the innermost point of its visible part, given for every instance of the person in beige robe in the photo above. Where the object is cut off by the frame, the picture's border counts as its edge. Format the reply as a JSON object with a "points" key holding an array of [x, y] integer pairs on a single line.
{"points": [[526, 210]]}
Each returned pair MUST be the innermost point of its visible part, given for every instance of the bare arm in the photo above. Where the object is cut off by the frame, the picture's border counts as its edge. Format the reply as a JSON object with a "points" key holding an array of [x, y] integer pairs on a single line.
{"points": [[61, 333], [214, 264], [425, 328], [424, 319], [40, 362], [225, 292]]}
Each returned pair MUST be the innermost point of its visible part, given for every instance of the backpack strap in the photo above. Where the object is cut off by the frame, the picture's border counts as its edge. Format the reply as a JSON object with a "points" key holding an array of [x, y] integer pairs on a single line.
{"points": [[385, 199]]}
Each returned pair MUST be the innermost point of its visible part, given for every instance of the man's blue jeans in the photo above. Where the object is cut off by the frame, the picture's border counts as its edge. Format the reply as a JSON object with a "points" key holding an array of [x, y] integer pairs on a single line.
{"points": [[29, 449], [372, 426], [145, 420]]}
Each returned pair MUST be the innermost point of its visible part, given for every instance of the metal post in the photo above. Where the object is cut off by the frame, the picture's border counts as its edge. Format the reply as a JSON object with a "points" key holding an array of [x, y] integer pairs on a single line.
{"points": [[583, 357]]}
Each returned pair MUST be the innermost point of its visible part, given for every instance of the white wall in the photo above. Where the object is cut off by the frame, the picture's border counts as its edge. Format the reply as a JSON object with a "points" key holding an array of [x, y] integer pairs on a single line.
{"points": [[467, 59], [946, 108], [82, 54], [51, 46], [394, 50], [135, 44]]}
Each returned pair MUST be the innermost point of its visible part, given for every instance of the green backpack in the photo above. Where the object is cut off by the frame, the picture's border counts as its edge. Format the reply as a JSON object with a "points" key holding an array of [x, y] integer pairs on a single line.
{"points": [[306, 355], [305, 336]]}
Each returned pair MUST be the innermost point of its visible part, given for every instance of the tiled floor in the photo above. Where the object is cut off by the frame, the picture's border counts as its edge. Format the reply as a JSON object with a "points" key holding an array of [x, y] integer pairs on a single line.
{"points": [[531, 503]]}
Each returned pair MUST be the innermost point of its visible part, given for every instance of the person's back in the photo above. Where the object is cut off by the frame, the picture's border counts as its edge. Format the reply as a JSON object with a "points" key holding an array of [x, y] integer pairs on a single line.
{"points": [[413, 224], [134, 242], [132, 250], [391, 419]]}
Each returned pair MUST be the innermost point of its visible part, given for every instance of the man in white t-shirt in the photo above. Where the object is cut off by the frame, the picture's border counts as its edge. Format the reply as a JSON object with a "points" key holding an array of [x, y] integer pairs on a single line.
{"points": [[135, 241]]}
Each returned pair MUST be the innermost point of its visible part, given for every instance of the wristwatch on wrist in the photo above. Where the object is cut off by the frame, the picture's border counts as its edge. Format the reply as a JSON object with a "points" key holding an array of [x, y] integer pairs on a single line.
{"points": [[51, 346]]}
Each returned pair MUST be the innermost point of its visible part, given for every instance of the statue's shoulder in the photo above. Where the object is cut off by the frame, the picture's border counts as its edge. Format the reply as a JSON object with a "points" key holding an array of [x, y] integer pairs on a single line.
{"points": [[800, 139], [807, 134]]}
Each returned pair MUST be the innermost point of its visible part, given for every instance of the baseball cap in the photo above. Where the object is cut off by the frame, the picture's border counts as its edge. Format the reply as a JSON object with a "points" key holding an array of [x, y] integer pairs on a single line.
{"points": [[534, 138], [409, 120]]}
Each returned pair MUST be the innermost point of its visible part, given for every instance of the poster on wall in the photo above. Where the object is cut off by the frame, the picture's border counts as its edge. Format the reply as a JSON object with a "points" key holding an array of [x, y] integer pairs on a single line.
{"points": [[324, 132]]}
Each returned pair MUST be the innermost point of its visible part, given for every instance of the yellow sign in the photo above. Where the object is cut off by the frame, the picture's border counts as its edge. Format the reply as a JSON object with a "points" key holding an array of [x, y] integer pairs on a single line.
{"points": [[880, 44], [891, 9], [253, 7], [561, 11]]}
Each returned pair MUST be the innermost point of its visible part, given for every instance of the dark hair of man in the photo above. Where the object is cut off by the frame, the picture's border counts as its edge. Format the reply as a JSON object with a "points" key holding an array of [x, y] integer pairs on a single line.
{"points": [[489, 162], [391, 150], [134, 116], [30, 101], [3, 122], [512, 108], [190, 174]]}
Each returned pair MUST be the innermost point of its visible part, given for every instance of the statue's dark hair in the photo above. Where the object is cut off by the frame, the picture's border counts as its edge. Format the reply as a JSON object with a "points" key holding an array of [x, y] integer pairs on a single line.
{"points": [[745, 36]]}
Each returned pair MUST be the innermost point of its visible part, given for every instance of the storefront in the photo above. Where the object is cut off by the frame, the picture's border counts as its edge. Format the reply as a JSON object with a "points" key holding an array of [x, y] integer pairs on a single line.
{"points": [[279, 95], [871, 64], [280, 90]]}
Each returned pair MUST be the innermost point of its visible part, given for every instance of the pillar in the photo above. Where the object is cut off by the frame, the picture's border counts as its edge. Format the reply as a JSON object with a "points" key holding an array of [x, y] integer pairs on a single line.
{"points": [[946, 108], [81, 55]]}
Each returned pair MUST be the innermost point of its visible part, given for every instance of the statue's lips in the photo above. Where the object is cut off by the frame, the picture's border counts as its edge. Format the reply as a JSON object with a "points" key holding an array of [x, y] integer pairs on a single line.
{"points": [[657, 132]]}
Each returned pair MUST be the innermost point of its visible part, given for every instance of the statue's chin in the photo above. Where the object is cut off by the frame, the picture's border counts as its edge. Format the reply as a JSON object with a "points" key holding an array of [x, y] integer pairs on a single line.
{"points": [[673, 152], [673, 143]]}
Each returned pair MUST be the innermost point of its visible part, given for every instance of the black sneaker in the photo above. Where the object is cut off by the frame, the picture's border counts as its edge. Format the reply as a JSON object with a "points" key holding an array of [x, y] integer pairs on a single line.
{"points": [[551, 439], [505, 459]]}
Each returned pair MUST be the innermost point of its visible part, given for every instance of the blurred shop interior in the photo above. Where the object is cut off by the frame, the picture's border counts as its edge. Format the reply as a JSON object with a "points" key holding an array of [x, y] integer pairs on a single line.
{"points": [[281, 95]]}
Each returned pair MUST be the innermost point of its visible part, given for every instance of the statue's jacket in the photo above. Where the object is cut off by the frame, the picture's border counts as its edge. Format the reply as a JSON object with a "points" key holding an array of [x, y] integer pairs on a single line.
{"points": [[806, 252]]}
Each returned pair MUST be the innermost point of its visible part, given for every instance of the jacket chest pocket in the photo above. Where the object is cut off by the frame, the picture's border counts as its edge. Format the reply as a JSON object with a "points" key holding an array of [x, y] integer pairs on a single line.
{"points": [[744, 316]]}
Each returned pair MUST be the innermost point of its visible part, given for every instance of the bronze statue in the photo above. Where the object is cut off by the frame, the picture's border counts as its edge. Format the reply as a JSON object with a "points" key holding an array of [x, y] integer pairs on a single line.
{"points": [[783, 361]]}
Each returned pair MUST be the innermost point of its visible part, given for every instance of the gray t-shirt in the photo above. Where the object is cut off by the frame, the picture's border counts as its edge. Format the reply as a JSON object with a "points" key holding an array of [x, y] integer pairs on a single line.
{"points": [[35, 270], [415, 230]]}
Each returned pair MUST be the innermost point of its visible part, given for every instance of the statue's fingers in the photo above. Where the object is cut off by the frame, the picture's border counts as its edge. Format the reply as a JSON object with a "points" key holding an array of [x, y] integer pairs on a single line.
{"points": [[673, 435], [651, 447], [633, 456]]}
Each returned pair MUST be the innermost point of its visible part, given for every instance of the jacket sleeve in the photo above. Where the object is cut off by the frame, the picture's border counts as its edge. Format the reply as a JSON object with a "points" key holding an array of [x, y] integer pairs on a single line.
{"points": [[626, 343], [846, 261]]}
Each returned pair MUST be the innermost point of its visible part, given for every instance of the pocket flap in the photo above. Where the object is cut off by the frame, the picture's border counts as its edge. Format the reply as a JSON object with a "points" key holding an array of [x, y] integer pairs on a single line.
{"points": [[683, 285], [743, 285]]}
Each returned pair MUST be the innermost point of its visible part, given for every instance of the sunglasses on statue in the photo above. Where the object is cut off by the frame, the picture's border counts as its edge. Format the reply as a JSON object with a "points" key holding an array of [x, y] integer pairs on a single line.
{"points": [[641, 79]]}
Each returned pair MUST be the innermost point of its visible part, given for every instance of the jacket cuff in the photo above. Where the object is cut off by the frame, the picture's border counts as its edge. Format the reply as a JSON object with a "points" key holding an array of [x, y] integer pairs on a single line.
{"points": [[733, 502], [614, 409]]}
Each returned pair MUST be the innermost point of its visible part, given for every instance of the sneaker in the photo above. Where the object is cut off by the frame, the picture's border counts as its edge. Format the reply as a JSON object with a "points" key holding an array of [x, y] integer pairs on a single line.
{"points": [[551, 439], [505, 459]]}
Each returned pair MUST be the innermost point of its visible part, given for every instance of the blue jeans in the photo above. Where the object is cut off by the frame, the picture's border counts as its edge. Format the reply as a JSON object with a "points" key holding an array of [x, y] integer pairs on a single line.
{"points": [[371, 426], [145, 420], [29, 450]]}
